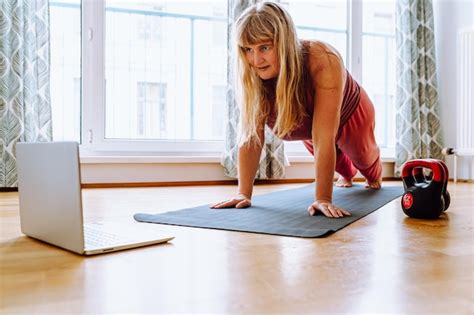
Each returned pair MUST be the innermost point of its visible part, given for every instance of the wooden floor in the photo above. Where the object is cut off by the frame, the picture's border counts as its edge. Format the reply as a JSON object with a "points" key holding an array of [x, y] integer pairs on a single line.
{"points": [[383, 263]]}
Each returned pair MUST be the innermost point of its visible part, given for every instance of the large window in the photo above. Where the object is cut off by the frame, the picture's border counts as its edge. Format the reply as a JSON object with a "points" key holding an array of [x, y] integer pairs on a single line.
{"points": [[179, 44], [65, 35], [157, 70]]}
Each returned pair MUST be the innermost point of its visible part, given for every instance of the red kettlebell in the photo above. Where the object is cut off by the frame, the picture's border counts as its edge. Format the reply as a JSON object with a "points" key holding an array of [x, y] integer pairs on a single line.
{"points": [[425, 198]]}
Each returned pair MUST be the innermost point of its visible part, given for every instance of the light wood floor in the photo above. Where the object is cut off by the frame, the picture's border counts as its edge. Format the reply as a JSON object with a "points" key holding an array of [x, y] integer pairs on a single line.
{"points": [[383, 263]]}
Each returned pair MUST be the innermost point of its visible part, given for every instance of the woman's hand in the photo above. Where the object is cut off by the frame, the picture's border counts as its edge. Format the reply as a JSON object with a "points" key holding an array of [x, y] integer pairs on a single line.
{"points": [[327, 208], [239, 201]]}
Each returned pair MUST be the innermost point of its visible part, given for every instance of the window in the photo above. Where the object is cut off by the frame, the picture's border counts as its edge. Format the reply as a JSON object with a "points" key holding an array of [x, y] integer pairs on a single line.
{"points": [[65, 35], [219, 111], [149, 28], [321, 20], [166, 42], [378, 59], [157, 70]]}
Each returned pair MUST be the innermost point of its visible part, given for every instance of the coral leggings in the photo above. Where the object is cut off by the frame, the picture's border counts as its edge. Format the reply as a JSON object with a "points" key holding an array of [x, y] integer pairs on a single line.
{"points": [[356, 148]]}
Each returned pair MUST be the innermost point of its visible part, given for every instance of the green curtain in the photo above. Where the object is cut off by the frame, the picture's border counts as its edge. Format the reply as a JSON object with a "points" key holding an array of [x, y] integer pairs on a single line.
{"points": [[419, 133], [25, 103], [273, 159]]}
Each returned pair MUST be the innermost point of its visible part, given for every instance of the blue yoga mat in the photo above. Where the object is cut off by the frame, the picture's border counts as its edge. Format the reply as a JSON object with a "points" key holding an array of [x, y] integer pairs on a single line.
{"points": [[282, 212]]}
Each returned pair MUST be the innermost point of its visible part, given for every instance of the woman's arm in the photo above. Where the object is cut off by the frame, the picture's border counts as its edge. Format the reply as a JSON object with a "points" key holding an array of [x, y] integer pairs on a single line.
{"points": [[249, 158], [328, 74]]}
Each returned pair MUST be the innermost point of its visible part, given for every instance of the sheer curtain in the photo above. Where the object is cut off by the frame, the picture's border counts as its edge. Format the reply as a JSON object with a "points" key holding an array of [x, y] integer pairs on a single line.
{"points": [[273, 159], [25, 105], [419, 133]]}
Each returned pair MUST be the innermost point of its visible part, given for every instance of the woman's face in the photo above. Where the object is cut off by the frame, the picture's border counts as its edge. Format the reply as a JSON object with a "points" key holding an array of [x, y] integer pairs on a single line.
{"points": [[263, 59]]}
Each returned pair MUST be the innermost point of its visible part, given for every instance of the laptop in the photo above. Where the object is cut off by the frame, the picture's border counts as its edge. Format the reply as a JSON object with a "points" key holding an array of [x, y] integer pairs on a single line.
{"points": [[49, 187]]}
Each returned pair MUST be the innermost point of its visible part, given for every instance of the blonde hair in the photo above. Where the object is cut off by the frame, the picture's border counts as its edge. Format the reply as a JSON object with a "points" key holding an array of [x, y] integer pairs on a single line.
{"points": [[267, 21]]}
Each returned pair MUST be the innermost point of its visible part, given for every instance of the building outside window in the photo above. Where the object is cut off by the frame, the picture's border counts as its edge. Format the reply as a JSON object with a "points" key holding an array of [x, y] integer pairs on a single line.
{"points": [[151, 110]]}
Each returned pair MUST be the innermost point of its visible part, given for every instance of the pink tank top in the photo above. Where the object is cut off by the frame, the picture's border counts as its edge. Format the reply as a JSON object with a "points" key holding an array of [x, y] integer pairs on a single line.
{"points": [[350, 101]]}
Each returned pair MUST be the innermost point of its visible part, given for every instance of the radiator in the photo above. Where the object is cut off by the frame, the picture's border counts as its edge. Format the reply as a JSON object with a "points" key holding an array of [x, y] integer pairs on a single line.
{"points": [[465, 100]]}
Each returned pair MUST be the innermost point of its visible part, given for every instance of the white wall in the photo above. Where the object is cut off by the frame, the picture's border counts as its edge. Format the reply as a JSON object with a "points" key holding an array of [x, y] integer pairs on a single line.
{"points": [[450, 16]]}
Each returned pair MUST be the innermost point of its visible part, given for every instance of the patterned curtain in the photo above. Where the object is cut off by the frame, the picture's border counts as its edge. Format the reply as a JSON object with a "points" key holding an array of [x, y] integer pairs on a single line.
{"points": [[418, 126], [25, 104], [273, 159]]}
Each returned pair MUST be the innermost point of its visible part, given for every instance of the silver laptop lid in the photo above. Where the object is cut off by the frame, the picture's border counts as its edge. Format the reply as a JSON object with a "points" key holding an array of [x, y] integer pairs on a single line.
{"points": [[49, 186]]}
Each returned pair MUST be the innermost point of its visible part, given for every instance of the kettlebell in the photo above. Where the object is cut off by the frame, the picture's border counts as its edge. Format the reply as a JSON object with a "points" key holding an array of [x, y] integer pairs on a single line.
{"points": [[425, 197], [419, 175]]}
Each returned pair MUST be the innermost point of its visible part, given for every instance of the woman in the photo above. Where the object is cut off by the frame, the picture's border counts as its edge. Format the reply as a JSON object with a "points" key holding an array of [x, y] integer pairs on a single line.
{"points": [[301, 90]]}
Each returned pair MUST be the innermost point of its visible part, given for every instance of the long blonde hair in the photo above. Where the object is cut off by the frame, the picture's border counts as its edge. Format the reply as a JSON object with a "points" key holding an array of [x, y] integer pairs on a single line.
{"points": [[258, 23]]}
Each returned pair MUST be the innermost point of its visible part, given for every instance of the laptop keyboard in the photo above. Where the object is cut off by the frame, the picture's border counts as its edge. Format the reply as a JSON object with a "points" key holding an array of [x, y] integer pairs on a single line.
{"points": [[98, 238]]}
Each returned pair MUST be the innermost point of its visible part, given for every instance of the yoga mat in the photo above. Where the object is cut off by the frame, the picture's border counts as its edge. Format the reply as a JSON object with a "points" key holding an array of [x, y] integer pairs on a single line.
{"points": [[282, 212]]}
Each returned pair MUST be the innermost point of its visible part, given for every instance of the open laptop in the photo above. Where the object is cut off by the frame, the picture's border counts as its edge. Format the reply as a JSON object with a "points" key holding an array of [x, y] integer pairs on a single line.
{"points": [[49, 186]]}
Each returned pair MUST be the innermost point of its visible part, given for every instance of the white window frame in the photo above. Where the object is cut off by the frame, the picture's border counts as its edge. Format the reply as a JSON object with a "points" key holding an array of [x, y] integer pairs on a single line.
{"points": [[93, 92], [93, 96]]}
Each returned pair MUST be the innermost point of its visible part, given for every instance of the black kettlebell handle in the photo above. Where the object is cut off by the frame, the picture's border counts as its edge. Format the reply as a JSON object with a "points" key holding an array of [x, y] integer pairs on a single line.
{"points": [[412, 169]]}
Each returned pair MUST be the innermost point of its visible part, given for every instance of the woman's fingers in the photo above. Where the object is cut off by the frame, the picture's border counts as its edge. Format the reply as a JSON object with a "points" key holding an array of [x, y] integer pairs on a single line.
{"points": [[323, 209], [335, 211], [224, 204], [328, 209], [221, 204], [345, 212], [237, 203], [243, 204]]}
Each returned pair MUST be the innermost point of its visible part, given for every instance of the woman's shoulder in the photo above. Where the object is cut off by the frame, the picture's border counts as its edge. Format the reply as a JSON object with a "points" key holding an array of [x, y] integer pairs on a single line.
{"points": [[319, 52], [317, 47], [323, 61]]}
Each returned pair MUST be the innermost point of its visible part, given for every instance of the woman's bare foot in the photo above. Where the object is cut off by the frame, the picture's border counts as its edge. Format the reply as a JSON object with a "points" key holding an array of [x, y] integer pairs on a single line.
{"points": [[374, 185], [343, 182]]}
